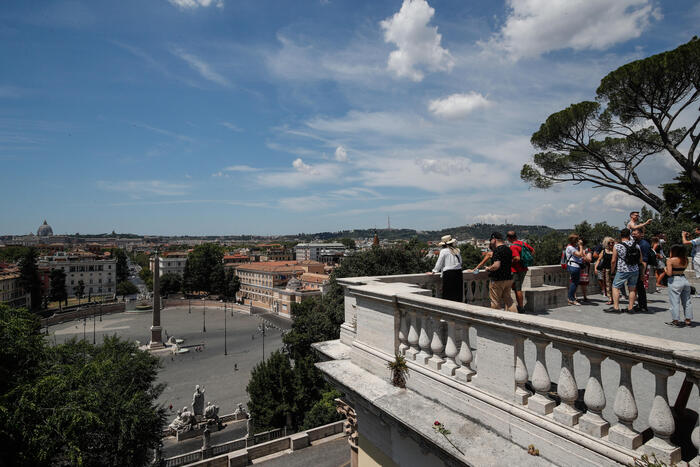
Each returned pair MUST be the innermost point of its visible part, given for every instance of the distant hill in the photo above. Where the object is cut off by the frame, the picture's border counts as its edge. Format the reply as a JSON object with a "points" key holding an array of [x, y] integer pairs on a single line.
{"points": [[479, 231]]}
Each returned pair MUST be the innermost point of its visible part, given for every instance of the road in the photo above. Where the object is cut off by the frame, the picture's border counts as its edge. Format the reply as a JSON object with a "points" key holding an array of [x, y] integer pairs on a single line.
{"points": [[224, 377]]}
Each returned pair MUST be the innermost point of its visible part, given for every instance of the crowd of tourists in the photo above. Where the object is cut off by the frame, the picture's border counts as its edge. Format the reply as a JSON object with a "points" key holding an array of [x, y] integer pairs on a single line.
{"points": [[620, 266]]}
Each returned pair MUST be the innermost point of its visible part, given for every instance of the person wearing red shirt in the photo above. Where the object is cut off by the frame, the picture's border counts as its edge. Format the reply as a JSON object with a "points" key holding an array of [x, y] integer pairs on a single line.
{"points": [[517, 268]]}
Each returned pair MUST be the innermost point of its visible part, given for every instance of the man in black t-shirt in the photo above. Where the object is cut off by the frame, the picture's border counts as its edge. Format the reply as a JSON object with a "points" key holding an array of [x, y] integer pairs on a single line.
{"points": [[501, 278]]}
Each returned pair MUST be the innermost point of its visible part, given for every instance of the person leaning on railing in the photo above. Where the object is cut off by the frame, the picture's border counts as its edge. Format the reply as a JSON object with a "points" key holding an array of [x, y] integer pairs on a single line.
{"points": [[449, 265]]}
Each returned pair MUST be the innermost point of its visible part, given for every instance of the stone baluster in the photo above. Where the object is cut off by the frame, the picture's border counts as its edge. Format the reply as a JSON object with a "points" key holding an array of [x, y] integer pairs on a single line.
{"points": [[592, 422], [423, 340], [403, 332], [695, 435], [413, 350], [521, 376], [436, 346], [661, 419], [622, 432], [449, 366], [567, 388], [539, 402], [465, 356]]}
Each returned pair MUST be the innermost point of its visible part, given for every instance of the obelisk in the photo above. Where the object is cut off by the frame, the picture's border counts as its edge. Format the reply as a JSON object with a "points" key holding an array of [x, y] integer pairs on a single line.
{"points": [[156, 330]]}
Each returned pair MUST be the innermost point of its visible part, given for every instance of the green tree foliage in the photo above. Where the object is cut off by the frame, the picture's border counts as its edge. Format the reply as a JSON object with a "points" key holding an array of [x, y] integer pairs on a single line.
{"points": [[349, 243], [548, 248], [271, 391], [170, 283], [683, 198], [29, 276], [471, 255], [57, 286], [12, 253], [122, 264], [605, 146], [76, 403], [139, 258], [666, 223], [125, 288], [594, 234], [79, 289], [323, 411], [204, 270], [232, 284]]}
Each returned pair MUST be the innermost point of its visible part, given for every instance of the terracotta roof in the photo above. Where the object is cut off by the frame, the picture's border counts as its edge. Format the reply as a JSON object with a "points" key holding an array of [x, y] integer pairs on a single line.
{"points": [[271, 266], [313, 277]]}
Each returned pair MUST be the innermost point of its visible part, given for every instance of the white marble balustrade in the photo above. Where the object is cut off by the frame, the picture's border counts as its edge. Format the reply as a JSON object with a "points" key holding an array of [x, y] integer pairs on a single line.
{"points": [[599, 387]]}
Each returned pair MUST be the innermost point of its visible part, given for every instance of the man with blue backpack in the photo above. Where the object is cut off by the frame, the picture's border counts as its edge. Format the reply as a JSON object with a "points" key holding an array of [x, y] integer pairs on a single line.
{"points": [[522, 259]]}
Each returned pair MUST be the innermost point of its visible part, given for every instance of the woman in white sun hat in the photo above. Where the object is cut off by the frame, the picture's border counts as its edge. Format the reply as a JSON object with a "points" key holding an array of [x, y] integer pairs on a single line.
{"points": [[449, 264]]}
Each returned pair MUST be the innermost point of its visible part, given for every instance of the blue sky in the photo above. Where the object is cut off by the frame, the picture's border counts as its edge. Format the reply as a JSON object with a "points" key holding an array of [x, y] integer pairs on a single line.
{"points": [[233, 116]]}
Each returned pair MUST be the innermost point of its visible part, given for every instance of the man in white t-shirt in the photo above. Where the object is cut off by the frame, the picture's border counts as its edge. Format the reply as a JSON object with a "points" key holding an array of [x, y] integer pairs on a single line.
{"points": [[695, 253]]}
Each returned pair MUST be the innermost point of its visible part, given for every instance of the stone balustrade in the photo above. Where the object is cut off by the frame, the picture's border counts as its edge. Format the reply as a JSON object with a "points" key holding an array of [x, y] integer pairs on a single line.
{"points": [[521, 375]]}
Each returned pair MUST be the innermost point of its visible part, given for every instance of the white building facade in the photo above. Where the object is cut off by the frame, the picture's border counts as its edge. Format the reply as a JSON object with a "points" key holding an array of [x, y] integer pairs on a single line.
{"points": [[313, 251], [98, 275]]}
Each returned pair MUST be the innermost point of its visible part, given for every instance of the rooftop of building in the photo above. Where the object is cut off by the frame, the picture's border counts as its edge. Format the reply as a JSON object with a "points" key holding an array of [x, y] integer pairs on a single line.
{"points": [[314, 277]]}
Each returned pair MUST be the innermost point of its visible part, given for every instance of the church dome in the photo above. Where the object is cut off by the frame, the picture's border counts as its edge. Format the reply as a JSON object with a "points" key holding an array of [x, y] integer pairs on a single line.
{"points": [[44, 230]]}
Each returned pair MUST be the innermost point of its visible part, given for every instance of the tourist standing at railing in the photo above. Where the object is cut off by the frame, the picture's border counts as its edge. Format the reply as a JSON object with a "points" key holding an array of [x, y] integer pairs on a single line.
{"points": [[500, 277], [518, 267], [657, 249], [574, 258], [603, 268], [625, 263], [584, 278], [449, 265], [695, 253], [678, 287], [643, 280]]}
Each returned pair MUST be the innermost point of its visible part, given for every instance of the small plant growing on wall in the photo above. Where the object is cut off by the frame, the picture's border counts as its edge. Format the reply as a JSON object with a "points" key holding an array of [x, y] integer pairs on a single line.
{"points": [[399, 371]]}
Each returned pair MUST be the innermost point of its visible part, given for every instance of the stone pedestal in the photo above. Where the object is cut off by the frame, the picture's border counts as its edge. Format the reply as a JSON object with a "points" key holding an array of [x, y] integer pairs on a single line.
{"points": [[156, 338]]}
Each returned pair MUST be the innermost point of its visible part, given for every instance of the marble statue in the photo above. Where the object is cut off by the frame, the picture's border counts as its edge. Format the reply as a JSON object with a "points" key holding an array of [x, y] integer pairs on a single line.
{"points": [[198, 401], [211, 412], [240, 411], [183, 422]]}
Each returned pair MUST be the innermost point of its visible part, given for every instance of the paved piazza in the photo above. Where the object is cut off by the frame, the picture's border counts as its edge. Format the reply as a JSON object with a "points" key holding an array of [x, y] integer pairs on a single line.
{"points": [[209, 368]]}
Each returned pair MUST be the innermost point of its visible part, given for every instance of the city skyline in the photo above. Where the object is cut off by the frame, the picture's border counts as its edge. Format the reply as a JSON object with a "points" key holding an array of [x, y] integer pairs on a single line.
{"points": [[218, 117]]}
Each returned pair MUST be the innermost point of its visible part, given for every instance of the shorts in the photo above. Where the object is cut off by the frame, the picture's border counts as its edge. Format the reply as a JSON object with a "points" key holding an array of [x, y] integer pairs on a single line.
{"points": [[629, 278], [518, 278]]}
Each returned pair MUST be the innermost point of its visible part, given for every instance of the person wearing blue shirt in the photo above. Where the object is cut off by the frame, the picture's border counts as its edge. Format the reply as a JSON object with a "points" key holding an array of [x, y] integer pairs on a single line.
{"points": [[645, 248]]}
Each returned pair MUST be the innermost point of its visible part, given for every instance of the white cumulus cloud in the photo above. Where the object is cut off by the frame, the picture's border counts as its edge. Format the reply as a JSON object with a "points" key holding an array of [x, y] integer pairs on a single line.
{"points": [[193, 4], [534, 27], [341, 155], [300, 166], [458, 105], [418, 44], [621, 202]]}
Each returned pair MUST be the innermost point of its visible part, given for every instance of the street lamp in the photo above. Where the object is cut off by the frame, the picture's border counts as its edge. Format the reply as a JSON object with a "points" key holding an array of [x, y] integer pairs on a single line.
{"points": [[84, 324], [262, 329], [93, 325], [204, 317], [225, 344]]}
